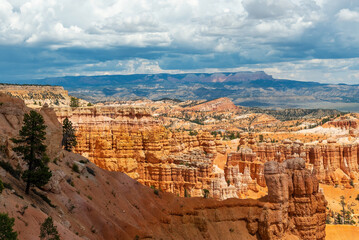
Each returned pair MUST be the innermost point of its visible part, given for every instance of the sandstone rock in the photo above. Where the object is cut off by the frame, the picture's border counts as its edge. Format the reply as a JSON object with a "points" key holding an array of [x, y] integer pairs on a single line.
{"points": [[301, 206], [323, 158], [54, 185], [130, 140], [12, 112]]}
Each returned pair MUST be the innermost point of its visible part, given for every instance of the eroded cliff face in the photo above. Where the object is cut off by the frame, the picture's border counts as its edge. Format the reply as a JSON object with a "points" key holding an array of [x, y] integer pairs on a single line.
{"points": [[295, 208], [100, 204], [299, 204], [130, 140], [332, 162], [37, 95]]}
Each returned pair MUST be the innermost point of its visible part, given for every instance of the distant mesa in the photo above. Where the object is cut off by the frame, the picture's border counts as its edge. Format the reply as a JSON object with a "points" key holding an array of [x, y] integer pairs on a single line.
{"points": [[249, 89]]}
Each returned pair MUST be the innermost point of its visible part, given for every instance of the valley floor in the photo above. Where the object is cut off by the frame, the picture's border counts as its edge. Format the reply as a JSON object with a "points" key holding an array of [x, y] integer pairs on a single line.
{"points": [[341, 232]]}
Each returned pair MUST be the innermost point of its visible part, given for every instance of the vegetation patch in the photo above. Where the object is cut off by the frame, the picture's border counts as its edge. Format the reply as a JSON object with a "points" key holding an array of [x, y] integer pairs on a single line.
{"points": [[44, 198], [8, 168]]}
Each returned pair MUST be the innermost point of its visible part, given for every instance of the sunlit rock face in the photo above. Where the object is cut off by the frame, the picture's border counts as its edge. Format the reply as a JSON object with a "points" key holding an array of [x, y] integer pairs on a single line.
{"points": [[130, 140], [293, 209], [298, 203], [37, 96], [332, 162]]}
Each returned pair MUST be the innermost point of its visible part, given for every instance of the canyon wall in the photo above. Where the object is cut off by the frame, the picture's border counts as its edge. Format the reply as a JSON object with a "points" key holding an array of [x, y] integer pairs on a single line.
{"points": [[332, 162], [294, 208], [128, 139]]}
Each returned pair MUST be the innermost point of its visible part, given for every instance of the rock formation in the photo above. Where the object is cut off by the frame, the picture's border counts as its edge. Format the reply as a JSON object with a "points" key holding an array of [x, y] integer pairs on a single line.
{"points": [[130, 140], [293, 209], [299, 206], [333, 163], [12, 112], [37, 95], [99, 204]]}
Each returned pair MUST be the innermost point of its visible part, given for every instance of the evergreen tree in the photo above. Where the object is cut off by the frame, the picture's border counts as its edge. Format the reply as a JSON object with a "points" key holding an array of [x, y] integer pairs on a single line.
{"points": [[205, 193], [6, 224], [74, 102], [48, 230], [31, 147], [69, 137]]}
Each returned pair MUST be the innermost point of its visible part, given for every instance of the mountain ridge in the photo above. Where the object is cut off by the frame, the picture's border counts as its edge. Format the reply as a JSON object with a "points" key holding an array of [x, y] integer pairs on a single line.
{"points": [[251, 89]]}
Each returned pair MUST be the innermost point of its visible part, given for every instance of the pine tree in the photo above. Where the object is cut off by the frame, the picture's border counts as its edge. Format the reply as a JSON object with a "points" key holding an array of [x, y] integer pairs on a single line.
{"points": [[74, 102], [6, 224], [48, 231], [31, 147], [69, 137]]}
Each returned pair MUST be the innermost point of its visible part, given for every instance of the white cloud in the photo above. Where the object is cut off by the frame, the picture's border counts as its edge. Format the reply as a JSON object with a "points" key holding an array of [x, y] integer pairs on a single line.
{"points": [[348, 15], [103, 23], [277, 35]]}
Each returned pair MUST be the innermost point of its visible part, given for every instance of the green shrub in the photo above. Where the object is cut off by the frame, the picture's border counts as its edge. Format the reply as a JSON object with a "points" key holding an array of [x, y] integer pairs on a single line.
{"points": [[45, 198], [7, 185], [351, 182], [205, 193], [74, 102], [1, 186], [75, 168], [48, 230], [91, 171], [7, 167], [6, 225]]}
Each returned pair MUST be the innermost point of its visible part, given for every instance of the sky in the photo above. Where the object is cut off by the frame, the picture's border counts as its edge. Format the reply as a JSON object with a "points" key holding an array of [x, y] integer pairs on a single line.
{"points": [[309, 40]]}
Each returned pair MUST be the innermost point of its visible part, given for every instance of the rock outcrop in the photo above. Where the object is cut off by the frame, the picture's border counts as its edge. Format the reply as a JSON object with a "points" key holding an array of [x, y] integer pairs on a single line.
{"points": [[12, 112], [37, 95], [299, 206], [130, 140], [294, 209], [333, 163], [99, 204]]}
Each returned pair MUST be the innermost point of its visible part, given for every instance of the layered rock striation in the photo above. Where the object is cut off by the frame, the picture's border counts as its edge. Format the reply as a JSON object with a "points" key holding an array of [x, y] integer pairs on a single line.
{"points": [[130, 140], [299, 204], [332, 162], [37, 95], [295, 208]]}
